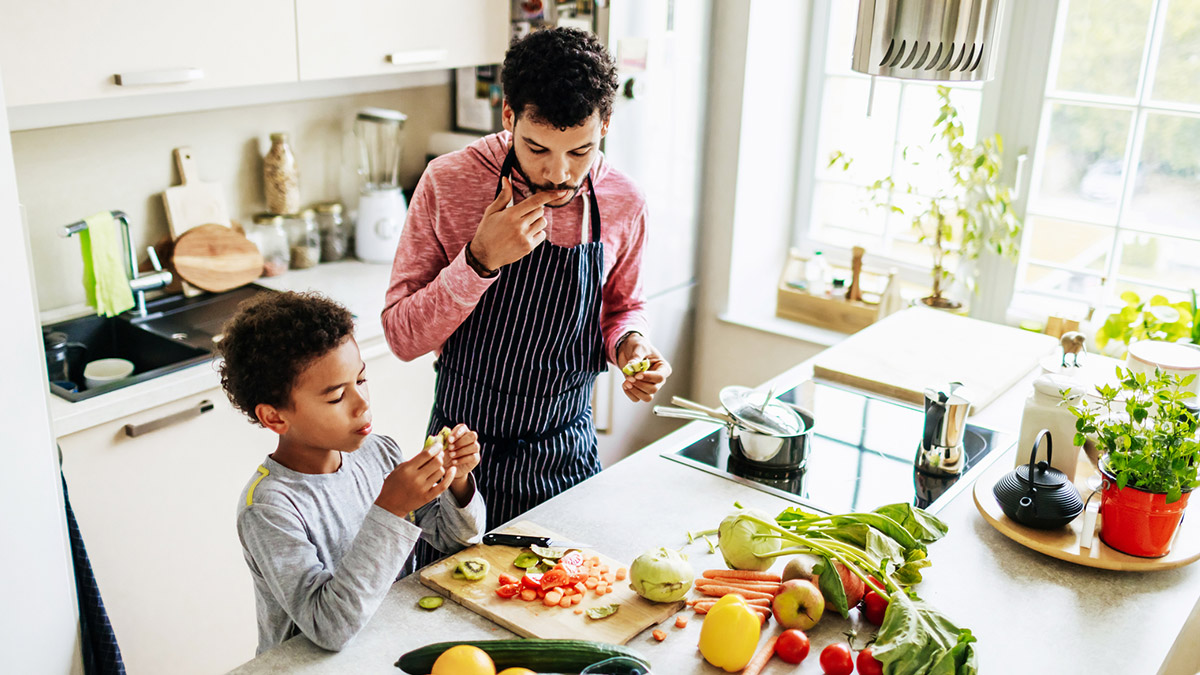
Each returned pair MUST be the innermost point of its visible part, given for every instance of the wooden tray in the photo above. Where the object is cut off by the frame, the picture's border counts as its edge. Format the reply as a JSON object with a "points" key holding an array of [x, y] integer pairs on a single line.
{"points": [[834, 312], [535, 620], [1064, 543]]}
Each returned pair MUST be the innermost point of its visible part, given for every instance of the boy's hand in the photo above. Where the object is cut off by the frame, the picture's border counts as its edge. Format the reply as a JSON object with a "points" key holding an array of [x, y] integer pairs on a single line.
{"points": [[462, 457], [642, 386], [416, 482]]}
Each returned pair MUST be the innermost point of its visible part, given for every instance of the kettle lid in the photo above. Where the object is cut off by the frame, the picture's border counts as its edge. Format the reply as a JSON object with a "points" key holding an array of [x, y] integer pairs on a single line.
{"points": [[1044, 475]]}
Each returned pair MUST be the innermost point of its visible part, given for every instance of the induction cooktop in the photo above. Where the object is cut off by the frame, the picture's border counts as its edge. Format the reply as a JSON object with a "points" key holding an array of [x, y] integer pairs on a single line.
{"points": [[861, 455]]}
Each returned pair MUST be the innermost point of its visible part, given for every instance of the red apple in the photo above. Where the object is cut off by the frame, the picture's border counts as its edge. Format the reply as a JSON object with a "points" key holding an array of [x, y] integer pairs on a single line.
{"points": [[853, 586], [799, 604]]}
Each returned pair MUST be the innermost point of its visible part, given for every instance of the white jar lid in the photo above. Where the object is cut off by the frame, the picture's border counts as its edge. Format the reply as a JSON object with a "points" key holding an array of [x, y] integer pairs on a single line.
{"points": [[1165, 355], [1053, 385]]}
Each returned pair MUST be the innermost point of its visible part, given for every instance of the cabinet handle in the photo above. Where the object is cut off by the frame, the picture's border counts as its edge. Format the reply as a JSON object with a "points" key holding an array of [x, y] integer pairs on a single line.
{"points": [[134, 430], [417, 57], [166, 76]]}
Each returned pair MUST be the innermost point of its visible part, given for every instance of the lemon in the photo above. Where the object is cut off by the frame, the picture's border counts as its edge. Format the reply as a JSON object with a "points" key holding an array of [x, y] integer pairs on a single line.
{"points": [[516, 671], [464, 660]]}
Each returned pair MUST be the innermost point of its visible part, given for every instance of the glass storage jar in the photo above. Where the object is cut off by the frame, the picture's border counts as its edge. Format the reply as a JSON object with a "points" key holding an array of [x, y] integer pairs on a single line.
{"points": [[281, 180], [272, 242], [303, 238], [335, 240]]}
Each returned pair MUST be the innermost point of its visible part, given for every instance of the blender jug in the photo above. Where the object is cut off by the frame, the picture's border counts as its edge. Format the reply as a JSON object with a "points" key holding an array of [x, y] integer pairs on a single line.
{"points": [[381, 204]]}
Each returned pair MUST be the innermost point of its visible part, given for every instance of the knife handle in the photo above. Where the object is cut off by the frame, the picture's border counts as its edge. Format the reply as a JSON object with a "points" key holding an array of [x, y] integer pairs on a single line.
{"points": [[518, 540]]}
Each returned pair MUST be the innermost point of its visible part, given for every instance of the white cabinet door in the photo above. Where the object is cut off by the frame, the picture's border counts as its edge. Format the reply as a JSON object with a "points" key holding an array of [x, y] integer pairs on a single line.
{"points": [[56, 51], [157, 514], [375, 37]]}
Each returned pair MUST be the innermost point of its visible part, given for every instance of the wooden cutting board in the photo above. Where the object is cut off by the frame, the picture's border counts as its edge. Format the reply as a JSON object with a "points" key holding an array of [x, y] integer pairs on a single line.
{"points": [[533, 619], [918, 348], [193, 202], [216, 258]]}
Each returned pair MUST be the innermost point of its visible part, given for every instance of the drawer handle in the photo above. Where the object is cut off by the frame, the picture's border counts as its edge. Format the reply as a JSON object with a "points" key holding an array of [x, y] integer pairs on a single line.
{"points": [[416, 57], [166, 76], [135, 430]]}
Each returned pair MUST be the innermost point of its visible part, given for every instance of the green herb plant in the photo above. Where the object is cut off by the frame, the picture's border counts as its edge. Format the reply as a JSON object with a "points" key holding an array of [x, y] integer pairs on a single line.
{"points": [[1155, 319], [1144, 431], [973, 214]]}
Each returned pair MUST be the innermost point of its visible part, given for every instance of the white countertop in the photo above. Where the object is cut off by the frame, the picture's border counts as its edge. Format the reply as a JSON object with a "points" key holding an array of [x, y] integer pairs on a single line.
{"points": [[357, 285]]}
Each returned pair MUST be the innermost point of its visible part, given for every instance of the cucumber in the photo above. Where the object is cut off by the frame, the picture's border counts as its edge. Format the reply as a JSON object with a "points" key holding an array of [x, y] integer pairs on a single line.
{"points": [[542, 656], [430, 602]]}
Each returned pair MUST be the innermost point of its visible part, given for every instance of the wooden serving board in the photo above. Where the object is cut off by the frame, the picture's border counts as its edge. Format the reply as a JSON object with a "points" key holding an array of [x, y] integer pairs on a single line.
{"points": [[1063, 543], [193, 202], [216, 258], [533, 619], [917, 348]]}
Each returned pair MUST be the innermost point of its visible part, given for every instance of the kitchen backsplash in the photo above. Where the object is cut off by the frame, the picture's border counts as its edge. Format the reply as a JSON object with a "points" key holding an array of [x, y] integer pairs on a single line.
{"points": [[67, 173]]}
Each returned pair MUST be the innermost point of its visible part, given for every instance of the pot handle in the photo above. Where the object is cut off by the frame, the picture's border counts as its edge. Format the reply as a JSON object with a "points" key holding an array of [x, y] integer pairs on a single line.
{"points": [[1037, 443]]}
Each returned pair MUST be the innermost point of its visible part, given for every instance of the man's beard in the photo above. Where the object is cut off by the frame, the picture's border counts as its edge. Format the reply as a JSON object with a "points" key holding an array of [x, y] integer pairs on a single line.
{"points": [[549, 187]]}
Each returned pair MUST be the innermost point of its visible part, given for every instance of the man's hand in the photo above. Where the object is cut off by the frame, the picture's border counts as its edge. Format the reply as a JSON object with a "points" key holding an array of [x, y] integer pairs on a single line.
{"points": [[644, 385], [462, 456], [416, 482], [508, 233]]}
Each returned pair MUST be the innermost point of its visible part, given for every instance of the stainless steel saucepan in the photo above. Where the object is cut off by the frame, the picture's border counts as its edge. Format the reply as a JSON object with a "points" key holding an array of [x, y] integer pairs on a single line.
{"points": [[754, 442]]}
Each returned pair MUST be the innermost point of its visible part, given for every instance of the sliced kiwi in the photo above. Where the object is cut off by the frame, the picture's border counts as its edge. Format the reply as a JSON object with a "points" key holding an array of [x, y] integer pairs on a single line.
{"points": [[473, 569]]}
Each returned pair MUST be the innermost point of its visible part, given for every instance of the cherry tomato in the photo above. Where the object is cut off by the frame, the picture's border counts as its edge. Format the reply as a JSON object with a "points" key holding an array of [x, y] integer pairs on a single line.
{"points": [[874, 607], [868, 664], [837, 660], [792, 646]]}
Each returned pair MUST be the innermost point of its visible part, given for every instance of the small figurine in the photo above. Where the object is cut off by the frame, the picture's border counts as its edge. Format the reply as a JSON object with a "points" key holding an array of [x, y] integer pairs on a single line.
{"points": [[1072, 343]]}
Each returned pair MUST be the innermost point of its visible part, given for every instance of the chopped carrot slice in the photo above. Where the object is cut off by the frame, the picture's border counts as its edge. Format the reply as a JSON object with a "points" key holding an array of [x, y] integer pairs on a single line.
{"points": [[552, 597], [610, 578], [528, 594], [681, 621], [591, 583], [622, 573], [579, 610], [659, 635], [576, 599], [601, 588], [580, 588], [603, 569], [565, 602]]}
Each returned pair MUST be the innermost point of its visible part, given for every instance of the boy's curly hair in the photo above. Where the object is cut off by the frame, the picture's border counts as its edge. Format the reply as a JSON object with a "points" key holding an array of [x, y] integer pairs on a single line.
{"points": [[559, 77], [271, 339]]}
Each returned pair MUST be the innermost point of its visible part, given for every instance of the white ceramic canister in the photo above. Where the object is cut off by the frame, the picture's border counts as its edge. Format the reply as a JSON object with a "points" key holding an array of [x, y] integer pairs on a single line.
{"points": [[1043, 411], [1172, 357]]}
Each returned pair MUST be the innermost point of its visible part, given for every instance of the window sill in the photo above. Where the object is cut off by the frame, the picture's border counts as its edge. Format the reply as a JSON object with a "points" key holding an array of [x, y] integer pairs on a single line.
{"points": [[767, 322]]}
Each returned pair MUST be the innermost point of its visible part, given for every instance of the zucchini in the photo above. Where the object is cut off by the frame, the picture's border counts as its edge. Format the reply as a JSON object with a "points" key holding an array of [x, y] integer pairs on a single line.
{"points": [[542, 656]]}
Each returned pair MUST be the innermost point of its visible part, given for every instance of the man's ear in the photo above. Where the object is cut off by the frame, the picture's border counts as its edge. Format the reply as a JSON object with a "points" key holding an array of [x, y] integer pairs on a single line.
{"points": [[268, 415], [508, 116]]}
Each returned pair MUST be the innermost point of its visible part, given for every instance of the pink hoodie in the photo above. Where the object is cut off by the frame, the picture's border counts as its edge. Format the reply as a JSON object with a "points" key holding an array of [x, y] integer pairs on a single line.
{"points": [[433, 290]]}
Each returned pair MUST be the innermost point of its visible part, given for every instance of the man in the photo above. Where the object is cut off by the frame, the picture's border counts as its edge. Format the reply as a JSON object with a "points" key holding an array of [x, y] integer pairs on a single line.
{"points": [[520, 265]]}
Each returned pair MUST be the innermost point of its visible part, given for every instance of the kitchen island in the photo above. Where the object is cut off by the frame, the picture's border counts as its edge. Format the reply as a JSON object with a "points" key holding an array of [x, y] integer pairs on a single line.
{"points": [[1030, 613]]}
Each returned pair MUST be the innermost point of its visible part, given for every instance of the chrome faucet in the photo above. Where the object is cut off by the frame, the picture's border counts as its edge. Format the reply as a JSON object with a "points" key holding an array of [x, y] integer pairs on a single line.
{"points": [[139, 284]]}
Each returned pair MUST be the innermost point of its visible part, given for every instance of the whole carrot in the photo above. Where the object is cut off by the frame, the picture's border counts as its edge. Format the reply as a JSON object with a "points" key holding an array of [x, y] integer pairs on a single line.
{"points": [[761, 602], [760, 586], [760, 659], [764, 611], [726, 590], [747, 575]]}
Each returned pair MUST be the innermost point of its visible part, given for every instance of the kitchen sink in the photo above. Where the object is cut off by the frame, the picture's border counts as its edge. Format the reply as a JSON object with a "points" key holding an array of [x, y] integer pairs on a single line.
{"points": [[176, 332]]}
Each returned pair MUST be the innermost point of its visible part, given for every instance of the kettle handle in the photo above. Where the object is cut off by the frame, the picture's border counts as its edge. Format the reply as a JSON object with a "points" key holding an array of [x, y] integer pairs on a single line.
{"points": [[1037, 443]]}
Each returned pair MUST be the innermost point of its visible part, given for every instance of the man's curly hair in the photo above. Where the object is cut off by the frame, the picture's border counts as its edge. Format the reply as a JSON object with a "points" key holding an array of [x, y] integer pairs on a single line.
{"points": [[271, 339], [559, 77]]}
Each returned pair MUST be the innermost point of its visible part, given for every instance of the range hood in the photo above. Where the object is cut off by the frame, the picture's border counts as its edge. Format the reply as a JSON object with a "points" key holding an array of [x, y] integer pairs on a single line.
{"points": [[950, 40]]}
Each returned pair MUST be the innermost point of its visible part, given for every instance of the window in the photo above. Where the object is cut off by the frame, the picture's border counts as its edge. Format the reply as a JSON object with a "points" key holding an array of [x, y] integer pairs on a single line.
{"points": [[1114, 203], [835, 210]]}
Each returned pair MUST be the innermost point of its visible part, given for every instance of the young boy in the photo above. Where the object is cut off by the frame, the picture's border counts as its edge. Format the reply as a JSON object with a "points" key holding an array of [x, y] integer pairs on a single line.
{"points": [[328, 520]]}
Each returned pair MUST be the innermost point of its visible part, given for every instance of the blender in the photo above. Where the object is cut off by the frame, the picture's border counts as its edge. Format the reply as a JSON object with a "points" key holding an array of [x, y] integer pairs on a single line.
{"points": [[381, 204]]}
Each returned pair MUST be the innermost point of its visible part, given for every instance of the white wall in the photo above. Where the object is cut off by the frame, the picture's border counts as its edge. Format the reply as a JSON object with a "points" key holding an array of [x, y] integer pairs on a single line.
{"points": [[39, 625], [755, 84], [69, 172]]}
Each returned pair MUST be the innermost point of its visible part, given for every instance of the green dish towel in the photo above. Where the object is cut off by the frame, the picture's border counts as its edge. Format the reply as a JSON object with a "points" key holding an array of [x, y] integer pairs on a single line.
{"points": [[104, 276]]}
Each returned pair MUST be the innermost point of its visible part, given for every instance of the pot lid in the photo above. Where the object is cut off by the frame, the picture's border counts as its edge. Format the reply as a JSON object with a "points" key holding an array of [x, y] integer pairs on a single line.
{"points": [[1165, 355], [1053, 385], [753, 406], [1044, 475]]}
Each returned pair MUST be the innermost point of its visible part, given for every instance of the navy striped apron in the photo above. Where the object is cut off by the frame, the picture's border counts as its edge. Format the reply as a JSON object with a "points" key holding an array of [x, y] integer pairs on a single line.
{"points": [[519, 372]]}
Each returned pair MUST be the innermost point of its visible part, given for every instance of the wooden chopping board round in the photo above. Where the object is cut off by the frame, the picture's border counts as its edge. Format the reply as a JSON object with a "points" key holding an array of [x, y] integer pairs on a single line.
{"points": [[216, 258]]}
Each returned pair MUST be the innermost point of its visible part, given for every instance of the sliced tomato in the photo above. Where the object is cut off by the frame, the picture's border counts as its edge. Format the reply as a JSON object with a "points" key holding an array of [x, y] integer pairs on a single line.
{"points": [[508, 590], [506, 580], [555, 578], [533, 581]]}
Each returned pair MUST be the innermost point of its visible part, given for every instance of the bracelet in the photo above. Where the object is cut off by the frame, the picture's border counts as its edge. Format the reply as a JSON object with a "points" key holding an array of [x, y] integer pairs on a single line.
{"points": [[617, 349], [478, 266]]}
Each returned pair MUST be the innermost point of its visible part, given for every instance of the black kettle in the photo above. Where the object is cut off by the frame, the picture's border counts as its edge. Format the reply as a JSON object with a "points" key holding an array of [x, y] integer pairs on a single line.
{"points": [[1037, 494]]}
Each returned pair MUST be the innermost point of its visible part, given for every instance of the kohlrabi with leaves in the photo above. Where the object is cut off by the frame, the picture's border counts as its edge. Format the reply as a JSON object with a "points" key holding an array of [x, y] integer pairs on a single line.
{"points": [[661, 575]]}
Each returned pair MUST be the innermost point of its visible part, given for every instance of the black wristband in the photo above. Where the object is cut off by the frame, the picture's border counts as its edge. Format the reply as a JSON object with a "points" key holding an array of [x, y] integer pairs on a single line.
{"points": [[478, 266]]}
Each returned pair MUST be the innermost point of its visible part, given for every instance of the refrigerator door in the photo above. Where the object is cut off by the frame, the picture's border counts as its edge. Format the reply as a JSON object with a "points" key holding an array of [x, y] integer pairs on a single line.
{"points": [[661, 48]]}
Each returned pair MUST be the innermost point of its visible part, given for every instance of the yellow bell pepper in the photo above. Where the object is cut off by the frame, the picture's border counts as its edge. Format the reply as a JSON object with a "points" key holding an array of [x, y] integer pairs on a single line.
{"points": [[730, 634]]}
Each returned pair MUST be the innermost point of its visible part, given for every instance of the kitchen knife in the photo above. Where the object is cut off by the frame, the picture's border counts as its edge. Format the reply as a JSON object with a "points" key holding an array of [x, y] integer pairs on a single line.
{"points": [[523, 540]]}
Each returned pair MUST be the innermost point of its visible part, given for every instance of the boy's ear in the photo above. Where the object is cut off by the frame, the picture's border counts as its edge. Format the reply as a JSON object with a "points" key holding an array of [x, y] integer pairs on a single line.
{"points": [[268, 415]]}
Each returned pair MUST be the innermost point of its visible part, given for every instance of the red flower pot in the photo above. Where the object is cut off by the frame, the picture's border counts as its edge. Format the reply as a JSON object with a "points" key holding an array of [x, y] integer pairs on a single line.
{"points": [[1137, 522]]}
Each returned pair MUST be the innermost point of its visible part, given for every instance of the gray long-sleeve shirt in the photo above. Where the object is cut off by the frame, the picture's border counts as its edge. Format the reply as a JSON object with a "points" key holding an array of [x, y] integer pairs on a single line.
{"points": [[321, 553]]}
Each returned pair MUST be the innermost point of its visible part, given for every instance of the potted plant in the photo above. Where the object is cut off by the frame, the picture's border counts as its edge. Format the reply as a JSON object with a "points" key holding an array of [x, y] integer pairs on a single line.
{"points": [[1145, 433], [1155, 319], [974, 213]]}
